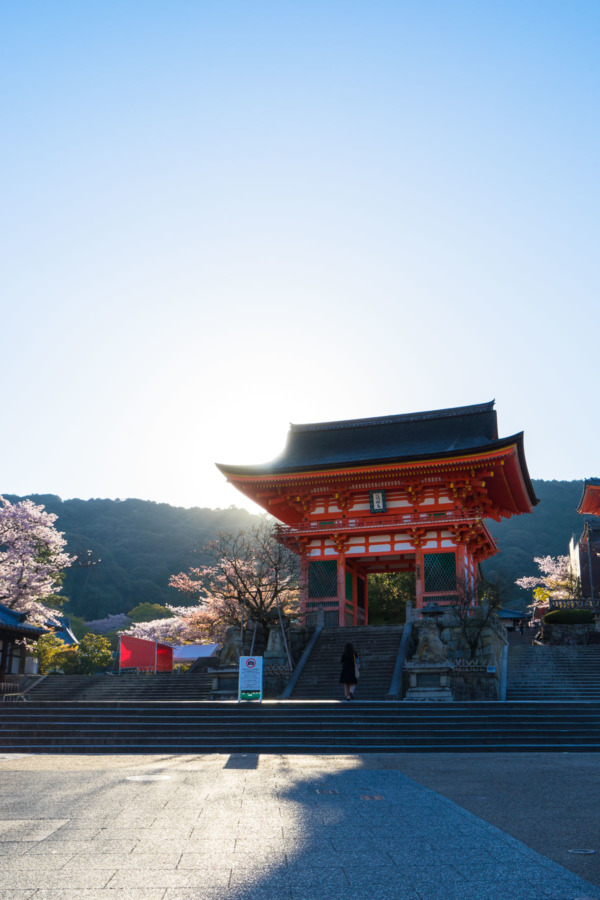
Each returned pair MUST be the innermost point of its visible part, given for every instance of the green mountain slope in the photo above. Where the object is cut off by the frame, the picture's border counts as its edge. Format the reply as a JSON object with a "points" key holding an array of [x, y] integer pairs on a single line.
{"points": [[139, 545], [545, 532]]}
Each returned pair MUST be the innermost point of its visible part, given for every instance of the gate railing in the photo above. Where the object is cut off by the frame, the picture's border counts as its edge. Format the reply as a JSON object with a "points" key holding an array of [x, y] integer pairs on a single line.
{"points": [[590, 603], [369, 523]]}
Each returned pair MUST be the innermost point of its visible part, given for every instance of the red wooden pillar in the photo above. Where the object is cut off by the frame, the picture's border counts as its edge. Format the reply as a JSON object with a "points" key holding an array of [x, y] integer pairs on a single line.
{"points": [[419, 577], [469, 575], [462, 575], [354, 598], [473, 568], [303, 581]]}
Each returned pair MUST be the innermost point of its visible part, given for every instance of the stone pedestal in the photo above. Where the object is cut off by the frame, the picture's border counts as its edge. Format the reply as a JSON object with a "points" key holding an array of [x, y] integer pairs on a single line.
{"points": [[275, 654], [225, 683], [429, 681]]}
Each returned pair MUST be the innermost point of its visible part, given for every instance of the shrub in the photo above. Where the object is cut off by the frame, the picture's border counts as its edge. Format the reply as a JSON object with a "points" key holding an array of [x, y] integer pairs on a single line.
{"points": [[92, 654], [569, 617], [148, 612]]}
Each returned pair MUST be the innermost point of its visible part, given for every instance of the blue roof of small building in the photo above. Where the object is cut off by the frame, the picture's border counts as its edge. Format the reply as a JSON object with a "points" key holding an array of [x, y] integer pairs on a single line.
{"points": [[512, 614], [64, 631], [12, 620]]}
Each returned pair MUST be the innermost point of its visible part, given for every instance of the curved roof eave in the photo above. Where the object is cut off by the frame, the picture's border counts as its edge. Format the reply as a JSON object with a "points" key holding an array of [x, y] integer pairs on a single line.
{"points": [[589, 482], [259, 471]]}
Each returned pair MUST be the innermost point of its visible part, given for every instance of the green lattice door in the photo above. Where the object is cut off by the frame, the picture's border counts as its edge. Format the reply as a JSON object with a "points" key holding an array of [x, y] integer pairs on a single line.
{"points": [[439, 570]]}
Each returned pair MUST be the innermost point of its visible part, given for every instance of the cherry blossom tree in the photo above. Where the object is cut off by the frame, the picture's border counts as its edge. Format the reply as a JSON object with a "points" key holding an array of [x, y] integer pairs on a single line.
{"points": [[252, 579], [32, 560], [187, 625], [556, 580]]}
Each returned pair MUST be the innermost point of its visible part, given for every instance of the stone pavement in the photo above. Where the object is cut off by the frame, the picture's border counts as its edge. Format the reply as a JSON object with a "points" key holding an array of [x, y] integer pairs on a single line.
{"points": [[245, 827]]}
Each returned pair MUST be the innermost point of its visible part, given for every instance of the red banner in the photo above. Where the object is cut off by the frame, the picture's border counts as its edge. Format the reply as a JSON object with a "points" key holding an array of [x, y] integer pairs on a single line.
{"points": [[137, 653], [164, 658]]}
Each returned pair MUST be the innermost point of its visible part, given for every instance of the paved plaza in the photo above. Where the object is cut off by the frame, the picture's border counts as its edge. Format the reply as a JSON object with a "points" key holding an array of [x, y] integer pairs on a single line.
{"points": [[394, 826]]}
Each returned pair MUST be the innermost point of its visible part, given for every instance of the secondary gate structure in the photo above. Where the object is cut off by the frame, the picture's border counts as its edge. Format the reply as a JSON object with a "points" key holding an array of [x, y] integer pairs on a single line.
{"points": [[390, 494]]}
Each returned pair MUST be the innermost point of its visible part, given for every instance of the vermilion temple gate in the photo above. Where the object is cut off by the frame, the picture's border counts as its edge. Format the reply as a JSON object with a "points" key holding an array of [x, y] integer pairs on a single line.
{"points": [[398, 493]]}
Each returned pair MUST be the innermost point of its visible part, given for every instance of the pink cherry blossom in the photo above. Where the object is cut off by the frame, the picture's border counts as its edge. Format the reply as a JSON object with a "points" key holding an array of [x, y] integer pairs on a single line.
{"points": [[253, 576], [32, 559], [555, 580]]}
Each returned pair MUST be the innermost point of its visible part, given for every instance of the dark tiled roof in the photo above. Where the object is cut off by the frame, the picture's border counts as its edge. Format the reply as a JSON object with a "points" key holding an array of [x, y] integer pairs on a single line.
{"points": [[591, 529], [16, 621], [383, 439]]}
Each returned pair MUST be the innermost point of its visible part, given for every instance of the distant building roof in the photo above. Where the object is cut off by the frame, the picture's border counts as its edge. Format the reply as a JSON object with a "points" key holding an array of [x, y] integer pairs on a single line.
{"points": [[192, 652], [512, 614], [590, 532], [63, 630]]}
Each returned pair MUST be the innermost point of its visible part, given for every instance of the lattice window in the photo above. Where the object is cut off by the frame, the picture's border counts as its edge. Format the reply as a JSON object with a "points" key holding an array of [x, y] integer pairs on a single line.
{"points": [[349, 586], [439, 571], [322, 578]]}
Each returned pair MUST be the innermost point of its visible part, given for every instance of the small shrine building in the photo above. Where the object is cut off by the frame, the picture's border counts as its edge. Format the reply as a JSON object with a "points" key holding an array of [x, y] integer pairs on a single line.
{"points": [[585, 553], [589, 505], [405, 493], [14, 628]]}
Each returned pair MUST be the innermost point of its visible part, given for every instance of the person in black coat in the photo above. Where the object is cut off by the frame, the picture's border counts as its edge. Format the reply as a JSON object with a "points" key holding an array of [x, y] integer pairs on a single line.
{"points": [[348, 675]]}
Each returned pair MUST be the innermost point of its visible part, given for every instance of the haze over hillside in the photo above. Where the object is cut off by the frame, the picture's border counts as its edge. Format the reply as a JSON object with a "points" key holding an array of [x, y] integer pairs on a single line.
{"points": [[140, 544]]}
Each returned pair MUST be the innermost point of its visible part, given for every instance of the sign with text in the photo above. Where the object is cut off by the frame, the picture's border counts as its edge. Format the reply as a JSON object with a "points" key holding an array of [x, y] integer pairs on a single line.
{"points": [[251, 678], [377, 501]]}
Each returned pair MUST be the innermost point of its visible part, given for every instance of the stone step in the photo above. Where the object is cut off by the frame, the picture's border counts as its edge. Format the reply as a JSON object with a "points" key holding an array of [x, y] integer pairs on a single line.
{"points": [[128, 687], [553, 672], [297, 727], [377, 650]]}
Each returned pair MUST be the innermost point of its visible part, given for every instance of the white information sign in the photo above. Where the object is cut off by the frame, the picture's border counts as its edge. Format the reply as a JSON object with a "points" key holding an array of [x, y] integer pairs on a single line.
{"points": [[251, 680]]}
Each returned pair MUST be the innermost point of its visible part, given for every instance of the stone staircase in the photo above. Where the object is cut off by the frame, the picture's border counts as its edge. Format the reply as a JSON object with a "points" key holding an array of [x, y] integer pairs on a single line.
{"points": [[297, 727], [127, 687], [377, 649], [537, 672]]}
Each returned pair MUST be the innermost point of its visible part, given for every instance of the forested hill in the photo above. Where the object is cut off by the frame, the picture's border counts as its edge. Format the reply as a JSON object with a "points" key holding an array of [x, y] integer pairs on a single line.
{"points": [[140, 544], [545, 532]]}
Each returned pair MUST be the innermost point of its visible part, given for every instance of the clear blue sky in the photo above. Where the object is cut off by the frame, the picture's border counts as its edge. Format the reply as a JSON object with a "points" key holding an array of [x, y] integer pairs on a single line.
{"points": [[220, 217]]}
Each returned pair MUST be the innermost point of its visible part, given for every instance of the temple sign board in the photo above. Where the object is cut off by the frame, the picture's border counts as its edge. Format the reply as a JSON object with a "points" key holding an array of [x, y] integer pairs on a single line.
{"points": [[251, 678]]}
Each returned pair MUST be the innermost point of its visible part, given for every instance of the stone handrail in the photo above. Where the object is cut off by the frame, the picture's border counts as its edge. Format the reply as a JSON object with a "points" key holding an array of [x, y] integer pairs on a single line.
{"points": [[395, 691], [503, 674], [12, 696], [287, 693]]}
